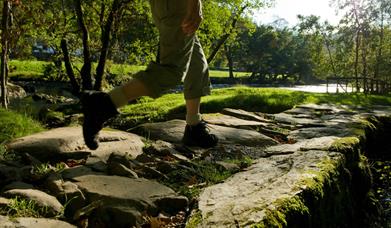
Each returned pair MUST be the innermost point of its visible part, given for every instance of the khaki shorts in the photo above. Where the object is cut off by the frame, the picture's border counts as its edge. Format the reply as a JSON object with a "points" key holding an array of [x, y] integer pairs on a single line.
{"points": [[181, 56]]}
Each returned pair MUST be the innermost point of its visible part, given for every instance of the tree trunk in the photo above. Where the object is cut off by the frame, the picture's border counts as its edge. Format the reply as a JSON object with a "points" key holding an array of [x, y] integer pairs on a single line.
{"points": [[356, 61], [68, 67], [87, 66], [100, 69], [358, 33], [230, 61], [379, 53], [327, 42], [224, 38], [364, 63], [4, 43]]}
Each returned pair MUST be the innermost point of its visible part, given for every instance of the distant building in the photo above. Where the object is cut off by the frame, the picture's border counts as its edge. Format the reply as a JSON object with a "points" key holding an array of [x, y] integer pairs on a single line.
{"points": [[42, 51]]}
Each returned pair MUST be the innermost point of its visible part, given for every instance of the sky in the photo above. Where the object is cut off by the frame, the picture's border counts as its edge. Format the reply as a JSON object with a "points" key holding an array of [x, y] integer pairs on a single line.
{"points": [[288, 9]]}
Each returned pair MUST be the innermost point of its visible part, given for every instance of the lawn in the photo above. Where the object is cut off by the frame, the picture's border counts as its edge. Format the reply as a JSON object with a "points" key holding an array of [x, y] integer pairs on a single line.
{"points": [[266, 100], [32, 69]]}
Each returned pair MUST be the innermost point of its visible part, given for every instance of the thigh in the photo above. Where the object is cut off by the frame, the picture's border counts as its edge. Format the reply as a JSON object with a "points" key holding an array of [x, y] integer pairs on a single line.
{"points": [[197, 82], [168, 12]]}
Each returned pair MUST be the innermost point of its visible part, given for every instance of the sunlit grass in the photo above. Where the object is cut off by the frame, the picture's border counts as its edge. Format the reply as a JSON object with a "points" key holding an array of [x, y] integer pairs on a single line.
{"points": [[33, 69], [225, 74], [20, 207], [14, 125], [266, 100]]}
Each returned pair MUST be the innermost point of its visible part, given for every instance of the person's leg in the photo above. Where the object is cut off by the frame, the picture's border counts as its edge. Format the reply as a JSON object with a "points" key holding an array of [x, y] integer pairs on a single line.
{"points": [[175, 54], [131, 90], [196, 85], [193, 116]]}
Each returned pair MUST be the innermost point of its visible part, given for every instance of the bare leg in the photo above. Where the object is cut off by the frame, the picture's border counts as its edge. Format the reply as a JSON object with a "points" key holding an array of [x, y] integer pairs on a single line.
{"points": [[193, 116], [196, 131], [129, 91]]}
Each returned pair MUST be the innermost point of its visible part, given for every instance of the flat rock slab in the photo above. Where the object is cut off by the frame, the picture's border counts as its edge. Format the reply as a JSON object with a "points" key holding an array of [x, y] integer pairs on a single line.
{"points": [[230, 121], [316, 132], [172, 131], [33, 223], [143, 194], [245, 115], [297, 120], [243, 199], [321, 143], [62, 143]]}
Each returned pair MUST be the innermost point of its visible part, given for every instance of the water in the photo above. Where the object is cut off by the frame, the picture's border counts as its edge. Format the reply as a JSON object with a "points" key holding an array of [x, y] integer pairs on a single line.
{"points": [[321, 88], [318, 88]]}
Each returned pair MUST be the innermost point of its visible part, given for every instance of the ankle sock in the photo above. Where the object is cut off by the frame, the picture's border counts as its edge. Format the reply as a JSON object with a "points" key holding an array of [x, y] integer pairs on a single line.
{"points": [[193, 119], [118, 97]]}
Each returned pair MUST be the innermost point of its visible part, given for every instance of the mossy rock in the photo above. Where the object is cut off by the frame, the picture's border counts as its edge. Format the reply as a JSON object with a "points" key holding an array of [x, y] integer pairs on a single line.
{"points": [[348, 146]]}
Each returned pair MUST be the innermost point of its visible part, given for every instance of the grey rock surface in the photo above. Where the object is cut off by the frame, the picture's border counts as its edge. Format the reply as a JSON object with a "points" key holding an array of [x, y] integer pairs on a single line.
{"points": [[146, 195], [68, 142], [33, 223], [243, 199], [230, 121], [15, 91], [172, 131]]}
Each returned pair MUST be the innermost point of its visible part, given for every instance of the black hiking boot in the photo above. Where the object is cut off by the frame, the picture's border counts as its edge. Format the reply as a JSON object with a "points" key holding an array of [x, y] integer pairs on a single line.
{"points": [[199, 135], [97, 108]]}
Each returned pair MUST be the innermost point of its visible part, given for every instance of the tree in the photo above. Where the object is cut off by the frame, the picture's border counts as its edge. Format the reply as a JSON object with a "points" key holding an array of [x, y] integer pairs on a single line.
{"points": [[5, 38], [318, 36], [4, 51], [234, 12], [105, 37], [364, 22]]}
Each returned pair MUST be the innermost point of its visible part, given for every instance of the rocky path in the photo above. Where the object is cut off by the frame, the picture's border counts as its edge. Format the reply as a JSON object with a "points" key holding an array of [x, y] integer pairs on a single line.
{"points": [[305, 171]]}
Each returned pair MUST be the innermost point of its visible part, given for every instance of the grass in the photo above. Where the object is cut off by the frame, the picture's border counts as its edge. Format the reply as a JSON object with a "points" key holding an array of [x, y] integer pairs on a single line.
{"points": [[266, 100], [27, 69], [225, 74], [45, 168], [189, 182], [20, 207], [33, 69], [14, 125]]}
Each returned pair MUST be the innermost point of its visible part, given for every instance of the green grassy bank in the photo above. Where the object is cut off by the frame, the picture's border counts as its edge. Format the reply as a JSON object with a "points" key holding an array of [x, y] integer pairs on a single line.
{"points": [[14, 125], [266, 100], [32, 69]]}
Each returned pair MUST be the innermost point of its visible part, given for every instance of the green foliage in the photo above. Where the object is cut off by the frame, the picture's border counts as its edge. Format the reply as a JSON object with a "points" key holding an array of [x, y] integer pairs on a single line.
{"points": [[195, 219], [242, 163], [382, 188], [311, 49]]}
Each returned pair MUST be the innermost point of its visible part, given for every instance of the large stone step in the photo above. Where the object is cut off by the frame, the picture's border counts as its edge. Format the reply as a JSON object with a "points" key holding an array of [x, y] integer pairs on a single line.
{"points": [[308, 171], [322, 180], [68, 143]]}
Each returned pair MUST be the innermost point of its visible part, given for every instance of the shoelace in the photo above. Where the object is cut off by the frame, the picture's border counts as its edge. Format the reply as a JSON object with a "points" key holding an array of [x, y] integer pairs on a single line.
{"points": [[205, 127]]}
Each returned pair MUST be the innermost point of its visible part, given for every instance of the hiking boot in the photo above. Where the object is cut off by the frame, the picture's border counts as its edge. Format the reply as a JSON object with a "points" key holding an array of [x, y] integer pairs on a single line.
{"points": [[199, 135], [97, 108]]}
